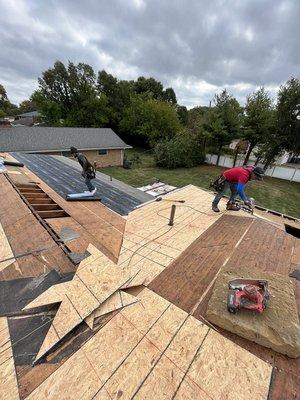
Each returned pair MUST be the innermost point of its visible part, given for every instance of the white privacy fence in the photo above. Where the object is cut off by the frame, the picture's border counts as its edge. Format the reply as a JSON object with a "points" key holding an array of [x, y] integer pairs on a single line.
{"points": [[276, 171]]}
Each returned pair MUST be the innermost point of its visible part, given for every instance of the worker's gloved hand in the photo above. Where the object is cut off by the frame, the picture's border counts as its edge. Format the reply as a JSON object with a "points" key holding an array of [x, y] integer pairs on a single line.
{"points": [[248, 203]]}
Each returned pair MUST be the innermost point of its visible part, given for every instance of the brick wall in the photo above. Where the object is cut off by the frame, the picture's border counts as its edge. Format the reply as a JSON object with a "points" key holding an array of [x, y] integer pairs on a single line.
{"points": [[112, 158]]}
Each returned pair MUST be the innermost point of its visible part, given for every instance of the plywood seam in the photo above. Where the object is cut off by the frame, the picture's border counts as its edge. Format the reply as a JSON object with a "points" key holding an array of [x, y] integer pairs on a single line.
{"points": [[189, 366], [161, 355], [131, 351]]}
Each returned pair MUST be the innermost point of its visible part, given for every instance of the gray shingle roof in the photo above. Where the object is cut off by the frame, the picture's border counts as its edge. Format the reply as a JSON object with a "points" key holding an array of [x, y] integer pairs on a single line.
{"points": [[39, 139], [29, 114]]}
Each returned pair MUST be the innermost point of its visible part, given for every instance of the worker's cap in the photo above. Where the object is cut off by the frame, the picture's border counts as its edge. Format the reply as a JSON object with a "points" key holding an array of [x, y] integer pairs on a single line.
{"points": [[73, 150], [259, 173]]}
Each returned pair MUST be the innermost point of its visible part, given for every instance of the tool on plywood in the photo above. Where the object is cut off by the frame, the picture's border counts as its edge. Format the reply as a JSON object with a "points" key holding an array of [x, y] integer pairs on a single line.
{"points": [[248, 294], [172, 200]]}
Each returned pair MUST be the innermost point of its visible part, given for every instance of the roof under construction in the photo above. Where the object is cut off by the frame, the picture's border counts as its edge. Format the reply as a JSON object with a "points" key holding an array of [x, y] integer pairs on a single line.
{"points": [[101, 302]]}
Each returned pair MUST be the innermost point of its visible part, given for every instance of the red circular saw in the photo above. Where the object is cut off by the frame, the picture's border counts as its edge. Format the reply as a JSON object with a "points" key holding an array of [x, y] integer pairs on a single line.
{"points": [[248, 294]]}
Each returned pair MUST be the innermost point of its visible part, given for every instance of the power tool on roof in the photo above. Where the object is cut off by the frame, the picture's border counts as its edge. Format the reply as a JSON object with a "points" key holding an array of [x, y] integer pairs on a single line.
{"points": [[248, 294]]}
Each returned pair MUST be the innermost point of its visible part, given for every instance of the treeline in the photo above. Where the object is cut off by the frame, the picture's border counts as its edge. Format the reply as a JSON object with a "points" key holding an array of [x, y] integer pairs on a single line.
{"points": [[146, 114], [269, 127]]}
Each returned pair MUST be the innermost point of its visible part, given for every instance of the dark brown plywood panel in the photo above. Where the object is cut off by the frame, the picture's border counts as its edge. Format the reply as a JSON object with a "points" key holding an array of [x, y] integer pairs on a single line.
{"points": [[186, 280]]}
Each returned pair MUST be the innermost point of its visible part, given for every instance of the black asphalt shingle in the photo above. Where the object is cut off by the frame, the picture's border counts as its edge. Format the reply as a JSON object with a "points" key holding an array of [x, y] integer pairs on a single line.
{"points": [[42, 139]]}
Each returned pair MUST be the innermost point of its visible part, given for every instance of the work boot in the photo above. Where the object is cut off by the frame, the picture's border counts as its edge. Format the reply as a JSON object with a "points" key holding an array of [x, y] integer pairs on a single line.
{"points": [[215, 208], [232, 207]]}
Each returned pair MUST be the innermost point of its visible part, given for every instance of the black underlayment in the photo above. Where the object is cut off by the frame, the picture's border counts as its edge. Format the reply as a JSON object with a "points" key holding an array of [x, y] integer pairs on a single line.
{"points": [[65, 179]]}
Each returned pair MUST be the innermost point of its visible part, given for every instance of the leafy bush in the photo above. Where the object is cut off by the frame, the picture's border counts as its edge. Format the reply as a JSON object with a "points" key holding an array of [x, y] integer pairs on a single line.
{"points": [[184, 150]]}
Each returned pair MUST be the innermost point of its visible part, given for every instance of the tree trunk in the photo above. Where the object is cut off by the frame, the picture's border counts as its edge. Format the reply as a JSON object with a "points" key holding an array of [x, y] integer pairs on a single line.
{"points": [[219, 154], [251, 147], [235, 157], [257, 160]]}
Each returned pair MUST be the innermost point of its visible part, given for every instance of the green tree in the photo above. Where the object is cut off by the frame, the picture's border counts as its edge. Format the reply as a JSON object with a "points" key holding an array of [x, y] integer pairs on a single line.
{"points": [[169, 96], [149, 86], [6, 106], [183, 115], [229, 114], [150, 120], [68, 96], [258, 119], [27, 106], [183, 150], [118, 95], [288, 115]]}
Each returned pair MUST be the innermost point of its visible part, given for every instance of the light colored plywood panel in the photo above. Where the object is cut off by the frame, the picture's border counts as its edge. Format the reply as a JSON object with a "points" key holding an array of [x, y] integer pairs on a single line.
{"points": [[109, 347], [8, 380], [54, 294], [75, 379], [116, 301], [188, 390], [162, 382], [145, 313], [126, 380], [186, 343], [5, 251], [167, 326], [226, 371]]}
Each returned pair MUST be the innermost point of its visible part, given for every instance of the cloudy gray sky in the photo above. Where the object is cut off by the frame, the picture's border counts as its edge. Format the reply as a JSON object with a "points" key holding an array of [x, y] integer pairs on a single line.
{"points": [[196, 46]]}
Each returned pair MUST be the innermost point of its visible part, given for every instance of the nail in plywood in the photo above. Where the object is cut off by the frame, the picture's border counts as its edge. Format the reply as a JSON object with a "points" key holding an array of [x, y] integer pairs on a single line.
{"points": [[225, 371], [8, 380], [5, 250]]}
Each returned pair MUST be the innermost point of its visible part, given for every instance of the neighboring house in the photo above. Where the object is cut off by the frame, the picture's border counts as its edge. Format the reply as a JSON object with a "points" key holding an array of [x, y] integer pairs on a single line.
{"points": [[31, 114], [101, 145], [25, 121], [284, 158]]}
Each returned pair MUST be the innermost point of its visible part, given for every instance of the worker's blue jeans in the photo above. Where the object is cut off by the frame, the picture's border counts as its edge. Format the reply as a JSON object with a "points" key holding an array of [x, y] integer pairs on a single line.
{"points": [[227, 186], [89, 184]]}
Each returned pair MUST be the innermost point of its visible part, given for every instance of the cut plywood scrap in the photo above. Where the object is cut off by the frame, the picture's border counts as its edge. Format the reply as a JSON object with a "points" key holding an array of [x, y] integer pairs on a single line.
{"points": [[6, 252], [224, 370], [277, 327], [95, 281], [54, 294], [8, 380], [116, 301]]}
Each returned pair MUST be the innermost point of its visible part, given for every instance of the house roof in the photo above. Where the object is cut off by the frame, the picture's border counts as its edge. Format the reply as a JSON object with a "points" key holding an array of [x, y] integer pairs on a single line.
{"points": [[136, 322], [29, 114], [41, 139], [24, 121]]}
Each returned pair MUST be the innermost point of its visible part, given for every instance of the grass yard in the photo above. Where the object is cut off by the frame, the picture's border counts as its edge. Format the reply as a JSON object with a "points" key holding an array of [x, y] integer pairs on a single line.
{"points": [[272, 193]]}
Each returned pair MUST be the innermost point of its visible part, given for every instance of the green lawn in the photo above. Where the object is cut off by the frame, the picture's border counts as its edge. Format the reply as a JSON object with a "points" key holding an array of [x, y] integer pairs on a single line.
{"points": [[272, 193]]}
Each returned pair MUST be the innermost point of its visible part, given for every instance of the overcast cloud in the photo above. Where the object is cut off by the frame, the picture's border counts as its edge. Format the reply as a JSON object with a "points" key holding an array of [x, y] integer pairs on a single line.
{"points": [[196, 46]]}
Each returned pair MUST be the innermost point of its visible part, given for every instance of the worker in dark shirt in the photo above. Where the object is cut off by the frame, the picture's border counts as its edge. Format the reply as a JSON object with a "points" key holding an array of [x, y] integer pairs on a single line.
{"points": [[88, 171], [235, 179]]}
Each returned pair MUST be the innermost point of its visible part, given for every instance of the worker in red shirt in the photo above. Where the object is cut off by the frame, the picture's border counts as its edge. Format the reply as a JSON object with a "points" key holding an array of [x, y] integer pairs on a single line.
{"points": [[235, 179]]}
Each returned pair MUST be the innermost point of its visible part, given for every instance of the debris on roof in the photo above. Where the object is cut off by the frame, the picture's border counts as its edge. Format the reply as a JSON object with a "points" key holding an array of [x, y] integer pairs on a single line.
{"points": [[131, 321]]}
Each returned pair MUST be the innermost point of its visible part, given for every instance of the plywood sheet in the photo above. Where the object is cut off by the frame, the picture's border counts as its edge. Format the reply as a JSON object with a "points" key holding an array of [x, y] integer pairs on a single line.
{"points": [[74, 379], [187, 279], [116, 301], [5, 250], [8, 380], [225, 371]]}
